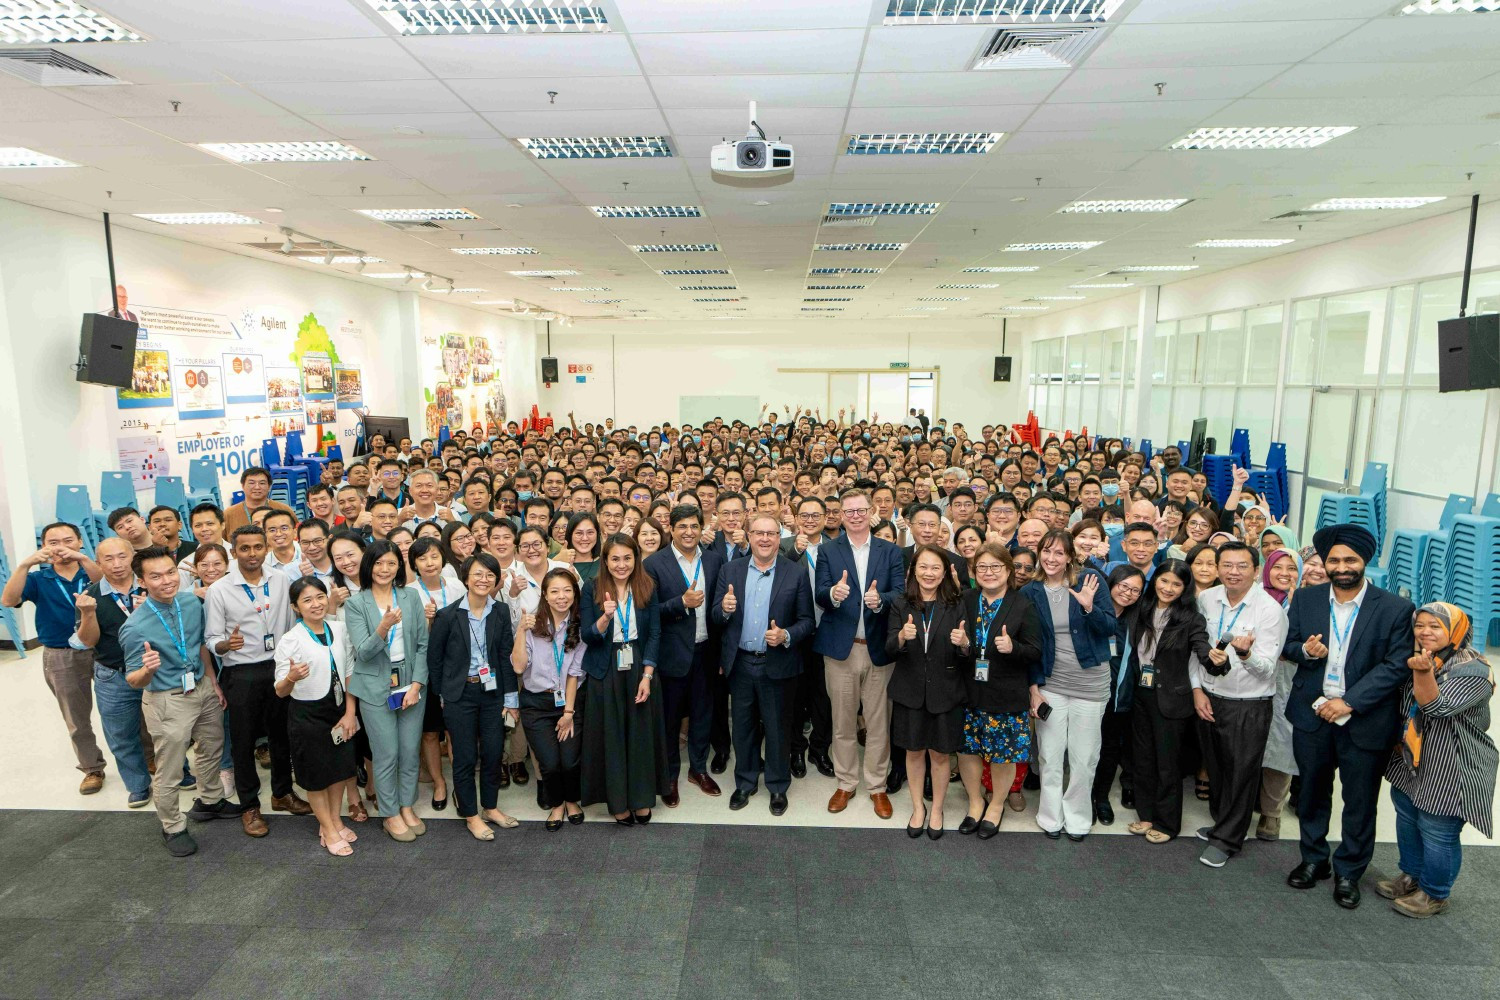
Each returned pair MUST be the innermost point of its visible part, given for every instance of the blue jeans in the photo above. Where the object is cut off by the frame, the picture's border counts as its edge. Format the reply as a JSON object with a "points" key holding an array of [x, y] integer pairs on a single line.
{"points": [[120, 712], [1429, 846]]}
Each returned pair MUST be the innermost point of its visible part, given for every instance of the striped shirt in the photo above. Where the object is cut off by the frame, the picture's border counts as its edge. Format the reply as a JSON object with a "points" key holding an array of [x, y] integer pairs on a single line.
{"points": [[1456, 776]]}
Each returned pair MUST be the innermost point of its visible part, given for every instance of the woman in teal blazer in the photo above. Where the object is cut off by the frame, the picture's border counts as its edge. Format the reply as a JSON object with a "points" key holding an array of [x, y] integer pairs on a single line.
{"points": [[388, 631]]}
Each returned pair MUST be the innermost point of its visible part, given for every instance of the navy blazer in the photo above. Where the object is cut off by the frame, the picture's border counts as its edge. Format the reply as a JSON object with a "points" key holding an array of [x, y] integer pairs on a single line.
{"points": [[1090, 632], [791, 609], [679, 626], [1374, 669], [835, 636], [721, 549], [448, 649], [599, 656]]}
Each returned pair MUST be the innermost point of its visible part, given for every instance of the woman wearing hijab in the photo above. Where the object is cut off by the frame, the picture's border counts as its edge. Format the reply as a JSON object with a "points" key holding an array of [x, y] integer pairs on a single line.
{"points": [[1442, 772], [1280, 576], [1276, 537]]}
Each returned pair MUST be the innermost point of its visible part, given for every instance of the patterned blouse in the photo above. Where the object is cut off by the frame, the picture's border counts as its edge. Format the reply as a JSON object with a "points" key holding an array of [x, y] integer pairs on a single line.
{"points": [[1456, 776]]}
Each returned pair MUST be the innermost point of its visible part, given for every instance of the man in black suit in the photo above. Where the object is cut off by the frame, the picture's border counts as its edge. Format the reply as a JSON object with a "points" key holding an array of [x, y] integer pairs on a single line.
{"points": [[728, 542], [764, 606], [807, 697], [1350, 642], [684, 577], [925, 521]]}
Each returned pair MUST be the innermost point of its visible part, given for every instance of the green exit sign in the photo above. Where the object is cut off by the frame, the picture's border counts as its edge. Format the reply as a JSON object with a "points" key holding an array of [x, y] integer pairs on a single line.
{"points": [[900, 364]]}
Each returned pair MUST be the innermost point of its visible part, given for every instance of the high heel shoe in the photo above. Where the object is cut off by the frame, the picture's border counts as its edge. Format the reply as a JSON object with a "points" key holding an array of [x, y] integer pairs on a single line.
{"points": [[968, 826], [626, 820], [339, 848], [439, 804], [934, 834]]}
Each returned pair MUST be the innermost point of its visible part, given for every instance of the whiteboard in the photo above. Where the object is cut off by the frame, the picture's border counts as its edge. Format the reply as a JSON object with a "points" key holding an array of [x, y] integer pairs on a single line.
{"points": [[699, 410]]}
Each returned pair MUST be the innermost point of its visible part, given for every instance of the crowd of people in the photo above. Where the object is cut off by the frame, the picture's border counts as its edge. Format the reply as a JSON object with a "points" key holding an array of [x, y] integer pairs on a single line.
{"points": [[895, 604]]}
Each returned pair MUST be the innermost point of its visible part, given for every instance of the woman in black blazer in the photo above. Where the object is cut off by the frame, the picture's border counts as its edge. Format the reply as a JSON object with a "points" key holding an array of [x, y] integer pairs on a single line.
{"points": [[930, 653], [624, 758], [478, 693], [997, 732], [1167, 633]]}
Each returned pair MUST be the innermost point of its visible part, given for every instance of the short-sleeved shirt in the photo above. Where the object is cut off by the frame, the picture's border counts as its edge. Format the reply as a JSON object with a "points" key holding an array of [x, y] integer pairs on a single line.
{"points": [[165, 627], [56, 615], [110, 610]]}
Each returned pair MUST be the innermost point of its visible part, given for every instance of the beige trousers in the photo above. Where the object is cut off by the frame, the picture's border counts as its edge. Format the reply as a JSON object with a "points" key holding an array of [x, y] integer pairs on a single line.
{"points": [[852, 682]]}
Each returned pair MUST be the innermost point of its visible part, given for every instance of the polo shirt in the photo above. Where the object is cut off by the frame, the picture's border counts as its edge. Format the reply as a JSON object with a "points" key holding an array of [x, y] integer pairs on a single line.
{"points": [[56, 615], [145, 625]]}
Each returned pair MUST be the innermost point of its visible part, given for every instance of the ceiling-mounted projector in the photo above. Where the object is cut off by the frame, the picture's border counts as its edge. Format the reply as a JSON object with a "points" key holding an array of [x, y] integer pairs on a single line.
{"points": [[752, 156]]}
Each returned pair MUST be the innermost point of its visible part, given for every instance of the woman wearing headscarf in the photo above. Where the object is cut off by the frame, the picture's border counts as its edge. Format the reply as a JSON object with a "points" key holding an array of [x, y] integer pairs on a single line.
{"points": [[1313, 572], [1280, 576], [1442, 772], [1275, 537]]}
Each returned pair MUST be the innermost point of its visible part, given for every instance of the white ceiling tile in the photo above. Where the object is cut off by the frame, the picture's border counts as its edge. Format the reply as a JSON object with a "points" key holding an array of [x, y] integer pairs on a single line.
{"points": [[1145, 115], [386, 97], [1176, 11], [318, 61], [641, 16], [33, 104], [633, 121], [523, 55], [820, 90], [776, 121], [1416, 39], [242, 20], [1100, 86], [699, 53], [1356, 80], [1314, 111], [555, 93], [194, 100], [148, 62], [963, 118], [928, 49], [1242, 44], [237, 128], [908, 90], [451, 125]]}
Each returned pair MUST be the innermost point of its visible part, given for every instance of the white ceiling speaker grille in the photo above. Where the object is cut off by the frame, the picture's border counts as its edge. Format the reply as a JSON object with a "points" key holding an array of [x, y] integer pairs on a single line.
{"points": [[51, 68], [1035, 46]]}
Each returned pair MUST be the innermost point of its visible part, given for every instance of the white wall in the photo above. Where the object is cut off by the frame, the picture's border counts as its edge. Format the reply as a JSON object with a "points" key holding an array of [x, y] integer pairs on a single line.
{"points": [[641, 370]]}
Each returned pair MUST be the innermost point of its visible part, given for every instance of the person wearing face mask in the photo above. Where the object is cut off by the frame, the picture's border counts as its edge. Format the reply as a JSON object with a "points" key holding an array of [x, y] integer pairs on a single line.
{"points": [[1350, 641]]}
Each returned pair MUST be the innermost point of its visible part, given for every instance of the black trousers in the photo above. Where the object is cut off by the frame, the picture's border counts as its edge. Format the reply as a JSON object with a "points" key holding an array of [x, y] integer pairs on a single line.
{"points": [[807, 701], [690, 697], [1116, 751], [254, 709], [1233, 746], [557, 760], [758, 704], [718, 694], [1158, 763], [477, 722], [1321, 753]]}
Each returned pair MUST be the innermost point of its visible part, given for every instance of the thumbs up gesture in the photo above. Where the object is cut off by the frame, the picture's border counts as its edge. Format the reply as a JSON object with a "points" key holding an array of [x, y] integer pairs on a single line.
{"points": [[1002, 641], [609, 607], [729, 604], [297, 671], [909, 630], [305, 567], [390, 619], [236, 640], [150, 660], [775, 636], [528, 622], [1313, 648], [872, 596], [841, 589], [516, 585], [959, 636], [430, 609]]}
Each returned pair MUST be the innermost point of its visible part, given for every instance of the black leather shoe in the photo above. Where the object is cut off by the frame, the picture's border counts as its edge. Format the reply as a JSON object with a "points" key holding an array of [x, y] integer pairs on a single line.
{"points": [[1104, 813], [719, 764], [1346, 892], [934, 834], [799, 765], [927, 788], [1053, 834], [1127, 798], [553, 825], [778, 803], [739, 799], [968, 826], [894, 783], [822, 762], [519, 772], [440, 804], [986, 829], [1307, 874], [575, 818], [1077, 838]]}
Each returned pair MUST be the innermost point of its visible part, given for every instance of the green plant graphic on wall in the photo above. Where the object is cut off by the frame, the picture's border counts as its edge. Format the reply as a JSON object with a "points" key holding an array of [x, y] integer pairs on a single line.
{"points": [[313, 338]]}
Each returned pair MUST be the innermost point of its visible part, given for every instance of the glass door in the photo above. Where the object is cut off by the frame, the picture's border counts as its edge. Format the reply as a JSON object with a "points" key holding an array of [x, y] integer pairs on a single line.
{"points": [[1337, 436]]}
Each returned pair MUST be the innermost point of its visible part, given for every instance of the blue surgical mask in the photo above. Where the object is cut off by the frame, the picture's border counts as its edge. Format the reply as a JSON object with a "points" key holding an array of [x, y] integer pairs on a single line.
{"points": [[523, 495], [1113, 529], [1110, 489]]}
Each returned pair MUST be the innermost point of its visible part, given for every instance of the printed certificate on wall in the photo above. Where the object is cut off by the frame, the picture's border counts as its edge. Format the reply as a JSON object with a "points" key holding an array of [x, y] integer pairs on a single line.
{"points": [[317, 376], [284, 390], [144, 457], [150, 380], [350, 387], [199, 390], [244, 378]]}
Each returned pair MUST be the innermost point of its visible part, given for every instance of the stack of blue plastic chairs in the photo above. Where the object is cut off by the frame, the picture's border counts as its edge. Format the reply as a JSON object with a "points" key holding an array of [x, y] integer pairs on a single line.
{"points": [[170, 492], [73, 506], [1145, 448], [1433, 567], [116, 489], [1365, 508], [1239, 448], [203, 483], [1219, 471], [8, 615], [1473, 569], [292, 454], [289, 485]]}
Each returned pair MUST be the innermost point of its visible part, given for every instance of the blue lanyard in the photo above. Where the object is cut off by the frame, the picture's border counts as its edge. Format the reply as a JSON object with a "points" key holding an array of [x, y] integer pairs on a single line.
{"points": [[442, 591], [259, 612], [1341, 639], [390, 637], [180, 644], [72, 590], [326, 641], [126, 606], [697, 568], [559, 654], [987, 613], [1237, 613], [625, 612]]}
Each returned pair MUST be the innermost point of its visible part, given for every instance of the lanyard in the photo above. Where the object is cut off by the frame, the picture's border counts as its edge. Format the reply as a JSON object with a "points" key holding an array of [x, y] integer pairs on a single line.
{"points": [[179, 643], [625, 612], [927, 614], [477, 639], [390, 637], [260, 612], [559, 654], [72, 590], [697, 568], [126, 606], [1238, 611], [1341, 638], [442, 592], [326, 641], [985, 622]]}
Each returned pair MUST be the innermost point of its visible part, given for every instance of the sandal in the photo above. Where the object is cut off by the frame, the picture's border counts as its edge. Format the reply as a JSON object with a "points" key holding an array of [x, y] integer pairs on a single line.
{"points": [[1200, 789], [1139, 827], [349, 835], [339, 848], [1156, 837], [357, 812]]}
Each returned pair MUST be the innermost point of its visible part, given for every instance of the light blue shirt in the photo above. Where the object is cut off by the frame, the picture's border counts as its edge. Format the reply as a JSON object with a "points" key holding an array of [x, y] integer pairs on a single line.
{"points": [[758, 585], [478, 630]]}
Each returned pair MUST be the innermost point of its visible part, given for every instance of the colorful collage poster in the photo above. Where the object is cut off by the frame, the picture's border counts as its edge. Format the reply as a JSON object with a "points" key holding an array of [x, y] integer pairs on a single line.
{"points": [[349, 391], [284, 390], [481, 361], [455, 360], [317, 376], [199, 388], [150, 381], [244, 378]]}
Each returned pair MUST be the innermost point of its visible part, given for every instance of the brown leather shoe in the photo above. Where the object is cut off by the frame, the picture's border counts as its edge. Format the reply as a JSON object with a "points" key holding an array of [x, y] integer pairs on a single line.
{"points": [[670, 799], [253, 824], [839, 801], [1419, 905], [882, 805], [705, 783], [293, 803], [91, 783]]}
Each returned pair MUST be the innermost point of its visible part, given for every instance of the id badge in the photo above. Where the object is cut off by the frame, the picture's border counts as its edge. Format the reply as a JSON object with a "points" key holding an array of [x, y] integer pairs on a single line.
{"points": [[188, 683], [1148, 676], [338, 691], [559, 700], [395, 679], [487, 678], [982, 671], [626, 658], [270, 643], [1113, 646]]}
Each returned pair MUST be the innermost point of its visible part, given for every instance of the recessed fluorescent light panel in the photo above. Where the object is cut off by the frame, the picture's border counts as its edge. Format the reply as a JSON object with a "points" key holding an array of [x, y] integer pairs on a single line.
{"points": [[921, 143], [732, 299], [708, 288], [943, 298], [1107, 205], [494, 251], [899, 12], [694, 270], [20, 156], [835, 288], [542, 274], [1073, 245], [646, 211], [1368, 204], [599, 147], [1141, 268], [31, 22], [675, 247], [1009, 270], [199, 219], [1106, 284], [966, 285], [822, 309], [580, 288], [928, 309], [1267, 137], [602, 302], [417, 214], [446, 17], [455, 291], [1241, 244], [284, 152], [884, 208], [828, 299], [845, 270], [860, 246], [1452, 7], [343, 259]]}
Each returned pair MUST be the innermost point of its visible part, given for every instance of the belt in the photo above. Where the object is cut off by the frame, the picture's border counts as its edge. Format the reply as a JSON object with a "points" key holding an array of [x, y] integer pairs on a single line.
{"points": [[474, 680], [754, 653], [860, 642]]}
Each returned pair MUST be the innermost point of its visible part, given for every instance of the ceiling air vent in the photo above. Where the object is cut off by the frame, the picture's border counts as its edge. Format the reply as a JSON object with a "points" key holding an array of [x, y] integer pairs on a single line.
{"points": [[1037, 46], [51, 68]]}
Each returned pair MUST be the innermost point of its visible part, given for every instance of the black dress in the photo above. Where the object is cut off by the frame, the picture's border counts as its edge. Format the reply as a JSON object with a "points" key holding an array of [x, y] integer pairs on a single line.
{"points": [[317, 761], [927, 685]]}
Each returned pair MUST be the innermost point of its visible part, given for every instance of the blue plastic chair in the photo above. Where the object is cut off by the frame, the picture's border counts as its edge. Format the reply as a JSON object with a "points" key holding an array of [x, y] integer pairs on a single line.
{"points": [[117, 489], [8, 615], [73, 506], [270, 453], [333, 452]]}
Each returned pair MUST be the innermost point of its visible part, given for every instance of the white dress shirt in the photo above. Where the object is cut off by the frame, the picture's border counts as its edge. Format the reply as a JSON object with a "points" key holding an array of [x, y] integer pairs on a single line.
{"points": [[299, 645], [812, 552], [700, 618], [264, 611], [1258, 614], [1341, 618], [292, 567], [862, 572]]}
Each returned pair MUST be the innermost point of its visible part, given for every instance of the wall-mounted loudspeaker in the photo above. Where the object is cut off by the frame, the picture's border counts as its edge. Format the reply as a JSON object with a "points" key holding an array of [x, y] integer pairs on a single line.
{"points": [[549, 369], [106, 350], [1469, 353], [1002, 369]]}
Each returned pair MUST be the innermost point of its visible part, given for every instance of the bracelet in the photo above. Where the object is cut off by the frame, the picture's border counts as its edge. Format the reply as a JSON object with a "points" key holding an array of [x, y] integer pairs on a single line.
{"points": [[567, 711]]}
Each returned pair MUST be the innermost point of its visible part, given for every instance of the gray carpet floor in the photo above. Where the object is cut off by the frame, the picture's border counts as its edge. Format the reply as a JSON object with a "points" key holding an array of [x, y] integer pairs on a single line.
{"points": [[91, 906]]}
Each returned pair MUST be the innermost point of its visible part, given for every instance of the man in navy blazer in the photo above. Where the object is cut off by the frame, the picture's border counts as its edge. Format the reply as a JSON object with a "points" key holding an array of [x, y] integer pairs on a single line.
{"points": [[685, 577], [858, 576], [729, 539], [764, 607], [1350, 642]]}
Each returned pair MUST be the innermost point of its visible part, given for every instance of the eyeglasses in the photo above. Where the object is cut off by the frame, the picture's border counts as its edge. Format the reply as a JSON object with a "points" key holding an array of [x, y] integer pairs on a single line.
{"points": [[857, 511], [1127, 591], [989, 568], [531, 546]]}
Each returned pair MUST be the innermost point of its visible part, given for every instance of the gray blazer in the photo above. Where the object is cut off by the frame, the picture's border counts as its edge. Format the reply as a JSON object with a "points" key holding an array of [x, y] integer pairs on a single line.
{"points": [[372, 666]]}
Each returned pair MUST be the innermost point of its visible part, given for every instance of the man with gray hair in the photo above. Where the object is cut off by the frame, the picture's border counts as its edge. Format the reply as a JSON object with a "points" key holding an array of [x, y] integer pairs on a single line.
{"points": [[424, 506]]}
